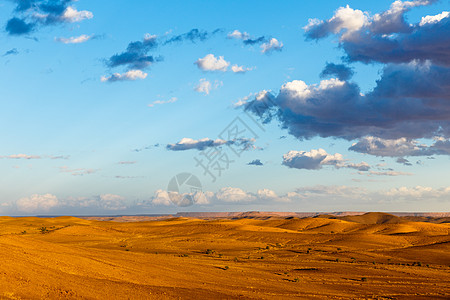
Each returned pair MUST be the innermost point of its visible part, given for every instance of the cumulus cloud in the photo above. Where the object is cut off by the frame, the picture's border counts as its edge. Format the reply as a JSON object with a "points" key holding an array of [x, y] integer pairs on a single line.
{"points": [[31, 14], [75, 39], [336, 108], [171, 100], [255, 162], [236, 34], [37, 203], [127, 76], [205, 86], [316, 159], [345, 20], [387, 37], [272, 45], [235, 195], [166, 198], [202, 144], [212, 63]]}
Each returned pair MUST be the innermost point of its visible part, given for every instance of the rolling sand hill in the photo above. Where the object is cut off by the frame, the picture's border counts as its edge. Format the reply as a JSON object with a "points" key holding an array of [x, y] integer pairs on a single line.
{"points": [[340, 257]]}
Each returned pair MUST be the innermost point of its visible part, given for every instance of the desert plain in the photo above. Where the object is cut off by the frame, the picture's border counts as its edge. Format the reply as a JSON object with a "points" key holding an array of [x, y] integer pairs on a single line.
{"points": [[370, 256]]}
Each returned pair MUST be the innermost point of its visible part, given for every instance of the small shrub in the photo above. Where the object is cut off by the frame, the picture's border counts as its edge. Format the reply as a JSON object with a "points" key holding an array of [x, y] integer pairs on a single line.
{"points": [[24, 232], [127, 249], [209, 251], [296, 279], [43, 230], [364, 279], [339, 249], [419, 264], [220, 255], [236, 259], [337, 259], [226, 267], [267, 247]]}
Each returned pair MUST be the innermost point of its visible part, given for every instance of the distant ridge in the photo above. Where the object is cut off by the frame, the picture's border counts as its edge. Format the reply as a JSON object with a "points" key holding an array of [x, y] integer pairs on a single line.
{"points": [[353, 216]]}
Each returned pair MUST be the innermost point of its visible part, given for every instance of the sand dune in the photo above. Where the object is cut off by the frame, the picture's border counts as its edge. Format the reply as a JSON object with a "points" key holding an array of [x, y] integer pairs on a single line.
{"points": [[372, 255]]}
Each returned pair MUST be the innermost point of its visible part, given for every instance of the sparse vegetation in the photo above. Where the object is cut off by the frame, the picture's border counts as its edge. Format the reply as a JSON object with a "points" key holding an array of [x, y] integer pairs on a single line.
{"points": [[43, 230]]}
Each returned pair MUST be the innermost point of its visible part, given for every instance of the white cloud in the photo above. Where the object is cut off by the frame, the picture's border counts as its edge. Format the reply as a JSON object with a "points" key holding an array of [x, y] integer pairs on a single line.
{"points": [[316, 159], [238, 35], [201, 144], [130, 75], [161, 198], [111, 202], [72, 15], [235, 195], [74, 40], [240, 69], [205, 86], [212, 63], [434, 19], [272, 45], [37, 203], [171, 100]]}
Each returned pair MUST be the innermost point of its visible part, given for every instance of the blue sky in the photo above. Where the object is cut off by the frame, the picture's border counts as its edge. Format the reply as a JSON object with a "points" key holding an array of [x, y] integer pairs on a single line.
{"points": [[345, 105]]}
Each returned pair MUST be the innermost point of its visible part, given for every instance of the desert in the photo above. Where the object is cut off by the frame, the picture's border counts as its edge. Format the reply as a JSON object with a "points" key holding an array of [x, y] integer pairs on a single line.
{"points": [[374, 255]]}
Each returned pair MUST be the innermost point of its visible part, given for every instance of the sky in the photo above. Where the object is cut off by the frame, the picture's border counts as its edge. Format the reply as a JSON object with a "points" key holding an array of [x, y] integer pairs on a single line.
{"points": [[152, 107]]}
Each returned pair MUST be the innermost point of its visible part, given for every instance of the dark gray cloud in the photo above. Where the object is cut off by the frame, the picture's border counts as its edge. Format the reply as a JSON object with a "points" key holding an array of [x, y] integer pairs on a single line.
{"points": [[194, 35], [260, 40], [401, 147], [255, 162], [409, 100], [316, 159], [13, 51], [16, 26], [202, 144], [30, 14], [136, 55], [340, 71], [387, 37], [403, 161]]}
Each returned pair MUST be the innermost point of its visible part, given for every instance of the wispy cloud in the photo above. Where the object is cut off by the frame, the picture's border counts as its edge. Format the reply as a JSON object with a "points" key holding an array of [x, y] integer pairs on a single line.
{"points": [[75, 40], [77, 172], [202, 144], [171, 100]]}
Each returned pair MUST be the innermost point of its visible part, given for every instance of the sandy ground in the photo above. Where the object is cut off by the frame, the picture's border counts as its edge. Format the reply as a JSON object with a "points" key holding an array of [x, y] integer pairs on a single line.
{"points": [[372, 256]]}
